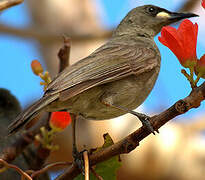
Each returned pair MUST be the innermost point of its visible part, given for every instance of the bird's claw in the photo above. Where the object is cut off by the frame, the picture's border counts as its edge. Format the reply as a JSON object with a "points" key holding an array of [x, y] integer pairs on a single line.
{"points": [[146, 122], [78, 159]]}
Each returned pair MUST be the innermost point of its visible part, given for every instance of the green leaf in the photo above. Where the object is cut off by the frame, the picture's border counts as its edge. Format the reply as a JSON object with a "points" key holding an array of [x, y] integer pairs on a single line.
{"points": [[107, 169], [79, 177]]}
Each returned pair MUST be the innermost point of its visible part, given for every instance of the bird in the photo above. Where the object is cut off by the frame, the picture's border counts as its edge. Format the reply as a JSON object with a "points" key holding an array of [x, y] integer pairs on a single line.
{"points": [[113, 80]]}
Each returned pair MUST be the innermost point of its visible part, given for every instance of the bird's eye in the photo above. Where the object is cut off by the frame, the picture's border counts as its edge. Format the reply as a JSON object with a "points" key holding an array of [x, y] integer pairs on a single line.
{"points": [[152, 10]]}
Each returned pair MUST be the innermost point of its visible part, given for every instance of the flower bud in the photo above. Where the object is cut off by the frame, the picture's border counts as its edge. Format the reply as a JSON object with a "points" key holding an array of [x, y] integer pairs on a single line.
{"points": [[200, 67], [36, 67], [59, 120]]}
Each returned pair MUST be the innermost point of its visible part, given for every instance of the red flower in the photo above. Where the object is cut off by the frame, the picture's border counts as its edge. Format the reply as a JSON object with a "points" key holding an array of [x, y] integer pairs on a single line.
{"points": [[59, 120], [182, 42], [200, 67], [203, 3], [36, 67]]}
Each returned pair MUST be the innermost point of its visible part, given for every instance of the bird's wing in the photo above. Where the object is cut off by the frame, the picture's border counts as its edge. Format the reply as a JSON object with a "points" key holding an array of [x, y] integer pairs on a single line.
{"points": [[108, 63]]}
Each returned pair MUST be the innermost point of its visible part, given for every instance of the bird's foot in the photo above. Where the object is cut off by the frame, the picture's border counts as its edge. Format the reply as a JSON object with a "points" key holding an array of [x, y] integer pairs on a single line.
{"points": [[78, 159], [145, 121]]}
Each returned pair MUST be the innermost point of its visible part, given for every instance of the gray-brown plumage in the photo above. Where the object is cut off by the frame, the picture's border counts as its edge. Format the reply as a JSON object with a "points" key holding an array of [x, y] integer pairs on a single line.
{"points": [[115, 78]]}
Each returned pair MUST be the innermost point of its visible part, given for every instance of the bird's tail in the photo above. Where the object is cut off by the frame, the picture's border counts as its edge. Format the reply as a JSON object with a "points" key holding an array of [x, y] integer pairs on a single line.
{"points": [[30, 113]]}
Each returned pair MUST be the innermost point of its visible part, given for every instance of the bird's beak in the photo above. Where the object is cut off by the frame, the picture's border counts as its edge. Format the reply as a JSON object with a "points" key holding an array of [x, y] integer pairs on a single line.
{"points": [[173, 16], [179, 16]]}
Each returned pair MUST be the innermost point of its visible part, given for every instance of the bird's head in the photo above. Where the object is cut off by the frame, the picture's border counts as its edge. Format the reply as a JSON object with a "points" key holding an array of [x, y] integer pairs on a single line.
{"points": [[149, 20]]}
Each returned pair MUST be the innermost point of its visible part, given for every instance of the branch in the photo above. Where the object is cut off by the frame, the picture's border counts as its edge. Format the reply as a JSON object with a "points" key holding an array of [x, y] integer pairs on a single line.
{"points": [[95, 174], [130, 142], [48, 37], [5, 4], [64, 54], [5, 166], [86, 164], [189, 5], [48, 167], [10, 152], [20, 171]]}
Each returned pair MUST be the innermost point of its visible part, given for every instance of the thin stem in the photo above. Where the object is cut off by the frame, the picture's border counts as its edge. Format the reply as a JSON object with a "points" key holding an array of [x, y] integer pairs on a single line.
{"points": [[191, 72], [49, 166], [86, 161], [189, 77], [183, 71], [64, 54], [20, 171], [95, 174], [5, 4], [192, 82], [197, 79], [73, 123]]}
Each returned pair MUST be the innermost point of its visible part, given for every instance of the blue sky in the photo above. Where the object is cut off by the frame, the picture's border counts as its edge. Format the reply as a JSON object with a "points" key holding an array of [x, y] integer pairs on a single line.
{"points": [[17, 54]]}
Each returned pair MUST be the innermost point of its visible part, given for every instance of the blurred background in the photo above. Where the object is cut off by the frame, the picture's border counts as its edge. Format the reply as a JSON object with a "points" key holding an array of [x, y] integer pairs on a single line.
{"points": [[34, 29]]}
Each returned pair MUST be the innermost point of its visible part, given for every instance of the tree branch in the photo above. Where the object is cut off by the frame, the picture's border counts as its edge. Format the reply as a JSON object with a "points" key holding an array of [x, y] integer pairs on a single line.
{"points": [[188, 5], [130, 142], [86, 164], [20, 171], [48, 37], [64, 54], [95, 174], [10, 152], [48, 167], [5, 4]]}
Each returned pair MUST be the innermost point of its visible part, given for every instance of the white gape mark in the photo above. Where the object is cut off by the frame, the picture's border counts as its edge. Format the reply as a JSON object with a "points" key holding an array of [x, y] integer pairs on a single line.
{"points": [[163, 15]]}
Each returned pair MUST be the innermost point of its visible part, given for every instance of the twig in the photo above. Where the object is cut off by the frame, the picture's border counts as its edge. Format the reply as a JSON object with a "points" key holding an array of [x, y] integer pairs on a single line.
{"points": [[189, 5], [49, 166], [96, 175], [86, 161], [189, 77], [10, 152], [45, 36], [5, 4], [64, 54], [20, 171], [48, 37], [13, 150], [130, 142]]}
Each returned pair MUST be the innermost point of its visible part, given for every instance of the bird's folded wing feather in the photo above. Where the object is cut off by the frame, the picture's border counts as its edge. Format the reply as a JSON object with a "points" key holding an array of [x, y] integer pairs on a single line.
{"points": [[106, 64]]}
